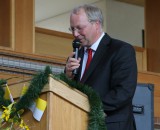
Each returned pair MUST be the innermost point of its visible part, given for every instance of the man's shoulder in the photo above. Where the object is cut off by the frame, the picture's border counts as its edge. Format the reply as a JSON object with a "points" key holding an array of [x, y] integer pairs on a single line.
{"points": [[116, 42], [120, 44]]}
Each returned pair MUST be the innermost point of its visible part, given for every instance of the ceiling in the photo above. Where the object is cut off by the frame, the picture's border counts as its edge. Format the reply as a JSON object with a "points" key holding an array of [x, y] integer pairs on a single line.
{"points": [[45, 9]]}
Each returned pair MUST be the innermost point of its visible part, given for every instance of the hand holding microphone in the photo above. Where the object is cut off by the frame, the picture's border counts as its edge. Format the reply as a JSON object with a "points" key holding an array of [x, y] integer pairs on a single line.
{"points": [[73, 61], [76, 44]]}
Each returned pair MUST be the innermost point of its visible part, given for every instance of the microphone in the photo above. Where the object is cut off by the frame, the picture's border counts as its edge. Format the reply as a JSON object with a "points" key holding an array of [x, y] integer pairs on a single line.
{"points": [[76, 44]]}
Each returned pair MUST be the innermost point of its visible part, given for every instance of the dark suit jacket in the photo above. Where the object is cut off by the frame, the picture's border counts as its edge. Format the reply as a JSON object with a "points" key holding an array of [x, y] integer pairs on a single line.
{"points": [[113, 75]]}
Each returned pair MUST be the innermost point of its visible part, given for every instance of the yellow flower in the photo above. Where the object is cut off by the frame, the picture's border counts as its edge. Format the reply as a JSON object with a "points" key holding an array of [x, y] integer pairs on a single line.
{"points": [[23, 125], [6, 115], [7, 111]]}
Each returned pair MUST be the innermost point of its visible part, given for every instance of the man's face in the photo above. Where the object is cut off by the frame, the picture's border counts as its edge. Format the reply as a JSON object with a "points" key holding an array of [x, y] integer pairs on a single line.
{"points": [[82, 29]]}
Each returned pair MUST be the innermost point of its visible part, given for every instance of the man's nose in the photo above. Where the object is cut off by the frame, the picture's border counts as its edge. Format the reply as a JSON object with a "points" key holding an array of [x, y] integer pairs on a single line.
{"points": [[75, 33]]}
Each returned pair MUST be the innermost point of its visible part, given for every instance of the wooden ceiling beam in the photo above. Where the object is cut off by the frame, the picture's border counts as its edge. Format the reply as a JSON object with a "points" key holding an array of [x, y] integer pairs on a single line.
{"points": [[135, 2]]}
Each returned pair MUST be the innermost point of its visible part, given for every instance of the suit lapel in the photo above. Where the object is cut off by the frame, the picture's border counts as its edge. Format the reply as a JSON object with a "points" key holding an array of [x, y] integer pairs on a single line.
{"points": [[100, 52]]}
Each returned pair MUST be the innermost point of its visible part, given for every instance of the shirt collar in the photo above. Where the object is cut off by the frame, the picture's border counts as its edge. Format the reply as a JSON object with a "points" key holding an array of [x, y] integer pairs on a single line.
{"points": [[95, 45]]}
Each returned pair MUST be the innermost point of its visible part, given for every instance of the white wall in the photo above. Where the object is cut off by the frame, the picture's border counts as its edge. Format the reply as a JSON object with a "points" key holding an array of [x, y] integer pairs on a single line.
{"points": [[125, 22], [61, 22], [58, 23], [122, 21]]}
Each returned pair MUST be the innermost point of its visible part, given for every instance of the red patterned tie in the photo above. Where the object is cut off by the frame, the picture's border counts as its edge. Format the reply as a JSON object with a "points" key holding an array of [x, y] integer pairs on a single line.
{"points": [[89, 59]]}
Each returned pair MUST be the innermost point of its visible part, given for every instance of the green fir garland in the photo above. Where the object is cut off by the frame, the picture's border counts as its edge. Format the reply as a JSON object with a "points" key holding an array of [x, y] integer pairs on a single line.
{"points": [[2, 100], [96, 114]]}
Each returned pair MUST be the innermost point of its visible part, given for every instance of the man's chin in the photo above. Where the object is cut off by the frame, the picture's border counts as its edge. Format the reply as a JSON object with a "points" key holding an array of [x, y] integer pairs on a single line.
{"points": [[83, 42]]}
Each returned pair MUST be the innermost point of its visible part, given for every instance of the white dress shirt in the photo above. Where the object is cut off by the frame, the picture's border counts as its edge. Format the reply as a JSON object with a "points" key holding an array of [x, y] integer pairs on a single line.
{"points": [[94, 48]]}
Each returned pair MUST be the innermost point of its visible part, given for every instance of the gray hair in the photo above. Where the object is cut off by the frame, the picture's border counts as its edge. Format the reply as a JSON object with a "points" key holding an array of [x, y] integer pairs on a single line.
{"points": [[93, 13]]}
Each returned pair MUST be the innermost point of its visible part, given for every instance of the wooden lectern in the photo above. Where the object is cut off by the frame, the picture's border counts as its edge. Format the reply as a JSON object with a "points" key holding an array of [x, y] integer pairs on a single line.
{"points": [[67, 108]]}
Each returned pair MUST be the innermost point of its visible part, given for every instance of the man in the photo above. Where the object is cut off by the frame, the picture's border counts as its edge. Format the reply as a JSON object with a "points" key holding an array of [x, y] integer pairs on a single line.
{"points": [[112, 72]]}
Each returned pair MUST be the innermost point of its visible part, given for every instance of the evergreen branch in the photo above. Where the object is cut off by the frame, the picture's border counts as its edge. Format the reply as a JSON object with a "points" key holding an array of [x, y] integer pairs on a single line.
{"points": [[37, 84], [96, 114], [3, 102]]}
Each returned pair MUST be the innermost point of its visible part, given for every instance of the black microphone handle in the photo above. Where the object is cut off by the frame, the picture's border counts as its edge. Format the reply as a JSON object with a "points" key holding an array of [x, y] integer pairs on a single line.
{"points": [[76, 57]]}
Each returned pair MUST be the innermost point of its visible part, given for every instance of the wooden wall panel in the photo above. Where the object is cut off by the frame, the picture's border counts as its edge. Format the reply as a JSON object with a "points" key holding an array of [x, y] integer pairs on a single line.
{"points": [[152, 34], [24, 26], [53, 43], [141, 58], [5, 23]]}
